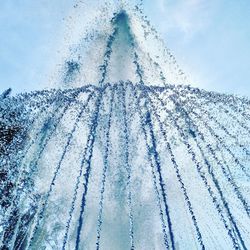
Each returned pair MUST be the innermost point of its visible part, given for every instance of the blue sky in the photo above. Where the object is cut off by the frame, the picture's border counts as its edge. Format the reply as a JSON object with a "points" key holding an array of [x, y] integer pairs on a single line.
{"points": [[210, 39]]}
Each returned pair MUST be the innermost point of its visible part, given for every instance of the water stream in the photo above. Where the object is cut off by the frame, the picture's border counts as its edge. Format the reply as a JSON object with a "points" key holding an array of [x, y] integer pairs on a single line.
{"points": [[124, 155]]}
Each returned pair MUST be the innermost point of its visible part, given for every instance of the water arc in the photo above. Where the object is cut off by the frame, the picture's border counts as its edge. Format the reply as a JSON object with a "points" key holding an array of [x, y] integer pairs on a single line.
{"points": [[126, 160]]}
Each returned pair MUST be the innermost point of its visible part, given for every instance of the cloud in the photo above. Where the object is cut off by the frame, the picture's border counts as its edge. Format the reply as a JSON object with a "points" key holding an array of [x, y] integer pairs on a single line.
{"points": [[185, 16]]}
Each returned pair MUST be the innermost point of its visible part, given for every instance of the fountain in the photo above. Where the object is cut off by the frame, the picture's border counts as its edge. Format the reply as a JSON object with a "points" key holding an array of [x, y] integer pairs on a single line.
{"points": [[119, 158]]}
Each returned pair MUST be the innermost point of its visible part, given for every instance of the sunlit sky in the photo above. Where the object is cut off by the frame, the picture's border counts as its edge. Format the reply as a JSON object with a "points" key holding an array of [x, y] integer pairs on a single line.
{"points": [[210, 39]]}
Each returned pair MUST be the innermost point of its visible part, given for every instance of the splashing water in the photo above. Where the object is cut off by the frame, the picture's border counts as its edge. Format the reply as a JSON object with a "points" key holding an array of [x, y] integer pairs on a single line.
{"points": [[127, 161]]}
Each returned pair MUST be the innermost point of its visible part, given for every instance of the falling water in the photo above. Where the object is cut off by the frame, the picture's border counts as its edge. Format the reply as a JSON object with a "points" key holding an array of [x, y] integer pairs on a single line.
{"points": [[121, 156]]}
